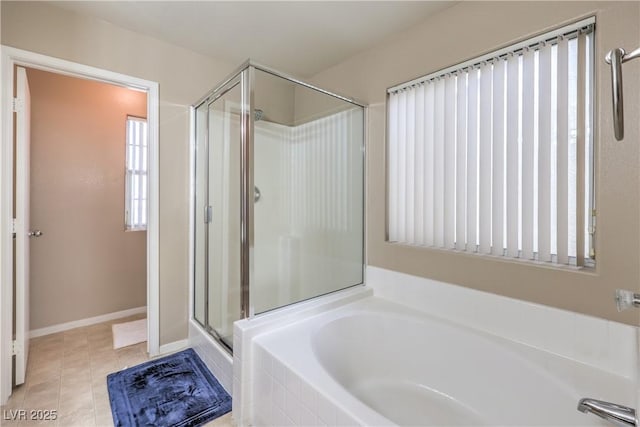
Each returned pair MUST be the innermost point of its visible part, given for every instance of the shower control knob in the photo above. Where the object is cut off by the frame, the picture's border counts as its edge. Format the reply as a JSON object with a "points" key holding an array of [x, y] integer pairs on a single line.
{"points": [[35, 233]]}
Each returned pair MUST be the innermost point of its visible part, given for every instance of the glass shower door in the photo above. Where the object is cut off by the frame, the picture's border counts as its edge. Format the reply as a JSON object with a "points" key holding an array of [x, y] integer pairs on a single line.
{"points": [[308, 165], [279, 197], [224, 213], [217, 222]]}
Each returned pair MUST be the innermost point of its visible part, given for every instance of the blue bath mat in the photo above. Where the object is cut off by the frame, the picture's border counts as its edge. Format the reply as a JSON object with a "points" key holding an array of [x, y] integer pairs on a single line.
{"points": [[177, 390]]}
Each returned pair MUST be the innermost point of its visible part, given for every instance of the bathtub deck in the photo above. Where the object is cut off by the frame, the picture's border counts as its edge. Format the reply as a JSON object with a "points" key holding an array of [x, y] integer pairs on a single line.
{"points": [[296, 385]]}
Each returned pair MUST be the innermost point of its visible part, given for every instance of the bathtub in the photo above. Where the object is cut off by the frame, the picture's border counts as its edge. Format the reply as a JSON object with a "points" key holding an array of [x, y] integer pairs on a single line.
{"points": [[375, 362]]}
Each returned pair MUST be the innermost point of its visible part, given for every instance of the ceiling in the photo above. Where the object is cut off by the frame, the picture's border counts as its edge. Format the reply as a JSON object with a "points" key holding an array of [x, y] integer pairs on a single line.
{"points": [[301, 38]]}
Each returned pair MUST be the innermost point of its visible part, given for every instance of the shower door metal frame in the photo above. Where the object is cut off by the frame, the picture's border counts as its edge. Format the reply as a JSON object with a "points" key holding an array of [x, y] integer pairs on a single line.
{"points": [[220, 91], [246, 190], [245, 75]]}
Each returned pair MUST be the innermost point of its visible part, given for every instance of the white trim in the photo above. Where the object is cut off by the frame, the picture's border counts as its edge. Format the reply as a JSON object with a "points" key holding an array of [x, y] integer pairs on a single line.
{"points": [[153, 224], [61, 327], [9, 57], [173, 347], [6, 228]]}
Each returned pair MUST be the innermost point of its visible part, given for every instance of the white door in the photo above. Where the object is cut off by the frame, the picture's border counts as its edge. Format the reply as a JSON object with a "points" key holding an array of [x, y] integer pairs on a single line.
{"points": [[22, 230]]}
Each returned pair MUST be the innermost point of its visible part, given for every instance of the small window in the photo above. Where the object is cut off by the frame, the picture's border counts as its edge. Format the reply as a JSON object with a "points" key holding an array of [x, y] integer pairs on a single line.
{"points": [[136, 175], [495, 156]]}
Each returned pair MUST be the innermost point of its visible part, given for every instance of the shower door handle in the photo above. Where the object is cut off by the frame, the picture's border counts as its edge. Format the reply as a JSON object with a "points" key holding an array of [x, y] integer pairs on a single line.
{"points": [[208, 214], [256, 194]]}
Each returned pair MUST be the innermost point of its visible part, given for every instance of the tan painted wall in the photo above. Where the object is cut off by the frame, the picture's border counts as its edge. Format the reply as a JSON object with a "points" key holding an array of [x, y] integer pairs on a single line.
{"points": [[311, 105], [85, 264], [274, 96], [184, 77], [463, 32]]}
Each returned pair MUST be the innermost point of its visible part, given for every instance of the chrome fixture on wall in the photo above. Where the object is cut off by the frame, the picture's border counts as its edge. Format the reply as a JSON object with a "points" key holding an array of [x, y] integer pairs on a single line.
{"points": [[626, 299], [616, 414], [616, 58]]}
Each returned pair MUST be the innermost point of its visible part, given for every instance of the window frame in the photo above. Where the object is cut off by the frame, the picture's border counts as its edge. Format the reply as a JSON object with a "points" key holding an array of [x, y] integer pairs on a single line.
{"points": [[589, 177], [128, 197]]}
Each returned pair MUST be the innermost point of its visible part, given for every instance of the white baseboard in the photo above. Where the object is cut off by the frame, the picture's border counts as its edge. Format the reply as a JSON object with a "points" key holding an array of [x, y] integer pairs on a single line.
{"points": [[85, 322], [172, 347]]}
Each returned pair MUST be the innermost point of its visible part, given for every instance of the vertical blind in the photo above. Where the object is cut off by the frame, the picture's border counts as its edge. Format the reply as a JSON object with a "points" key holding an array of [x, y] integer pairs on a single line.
{"points": [[136, 174], [494, 156]]}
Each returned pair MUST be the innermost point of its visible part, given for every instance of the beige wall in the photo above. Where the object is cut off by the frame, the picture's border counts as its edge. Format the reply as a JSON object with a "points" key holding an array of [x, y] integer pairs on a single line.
{"points": [[85, 264], [288, 103], [275, 97], [468, 30], [183, 76], [311, 105]]}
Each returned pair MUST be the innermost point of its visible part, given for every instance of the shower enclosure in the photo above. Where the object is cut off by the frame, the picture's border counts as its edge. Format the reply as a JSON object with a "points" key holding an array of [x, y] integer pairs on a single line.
{"points": [[279, 193]]}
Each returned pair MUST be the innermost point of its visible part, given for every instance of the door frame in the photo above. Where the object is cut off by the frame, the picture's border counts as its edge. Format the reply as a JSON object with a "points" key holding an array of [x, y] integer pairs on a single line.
{"points": [[22, 203], [9, 58]]}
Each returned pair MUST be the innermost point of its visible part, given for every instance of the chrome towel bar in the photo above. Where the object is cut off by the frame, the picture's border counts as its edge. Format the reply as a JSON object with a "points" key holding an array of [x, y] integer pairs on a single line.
{"points": [[616, 58]]}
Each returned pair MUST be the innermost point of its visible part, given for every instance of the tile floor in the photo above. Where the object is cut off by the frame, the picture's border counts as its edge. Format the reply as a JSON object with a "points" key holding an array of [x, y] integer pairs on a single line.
{"points": [[67, 372]]}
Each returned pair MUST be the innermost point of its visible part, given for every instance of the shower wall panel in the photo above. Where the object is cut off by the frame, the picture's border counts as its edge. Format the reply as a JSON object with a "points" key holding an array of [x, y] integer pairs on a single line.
{"points": [[308, 221]]}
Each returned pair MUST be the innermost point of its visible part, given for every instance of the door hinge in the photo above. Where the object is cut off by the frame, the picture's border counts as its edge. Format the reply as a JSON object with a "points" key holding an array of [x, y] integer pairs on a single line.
{"points": [[208, 214], [14, 227], [16, 348], [17, 105]]}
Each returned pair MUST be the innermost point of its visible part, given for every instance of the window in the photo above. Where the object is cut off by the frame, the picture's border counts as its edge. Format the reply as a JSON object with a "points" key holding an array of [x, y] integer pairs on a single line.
{"points": [[136, 175], [494, 156]]}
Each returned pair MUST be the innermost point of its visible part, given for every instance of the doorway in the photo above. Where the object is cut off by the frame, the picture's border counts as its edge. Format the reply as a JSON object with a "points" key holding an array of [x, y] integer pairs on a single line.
{"points": [[87, 194], [40, 64]]}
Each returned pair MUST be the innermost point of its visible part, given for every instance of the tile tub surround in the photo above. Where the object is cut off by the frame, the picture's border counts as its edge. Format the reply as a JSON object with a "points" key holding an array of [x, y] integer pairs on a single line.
{"points": [[303, 374], [246, 330], [282, 397], [603, 344], [273, 392], [217, 359]]}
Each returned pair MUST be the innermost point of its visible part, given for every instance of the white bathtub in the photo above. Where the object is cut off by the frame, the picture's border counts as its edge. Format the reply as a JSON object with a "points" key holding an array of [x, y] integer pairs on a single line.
{"points": [[374, 362]]}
